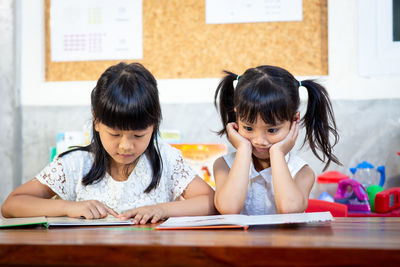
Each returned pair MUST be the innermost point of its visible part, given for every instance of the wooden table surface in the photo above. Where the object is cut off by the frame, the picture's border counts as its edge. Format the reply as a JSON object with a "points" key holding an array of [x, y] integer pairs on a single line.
{"points": [[343, 242]]}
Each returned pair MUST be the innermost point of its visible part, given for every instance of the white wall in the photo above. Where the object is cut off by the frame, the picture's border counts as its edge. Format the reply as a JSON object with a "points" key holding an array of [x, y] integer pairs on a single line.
{"points": [[10, 119], [343, 81]]}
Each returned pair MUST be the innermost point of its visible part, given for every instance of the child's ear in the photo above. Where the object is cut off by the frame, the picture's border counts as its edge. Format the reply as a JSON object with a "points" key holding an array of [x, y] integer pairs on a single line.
{"points": [[96, 125], [236, 118], [297, 116], [95, 122]]}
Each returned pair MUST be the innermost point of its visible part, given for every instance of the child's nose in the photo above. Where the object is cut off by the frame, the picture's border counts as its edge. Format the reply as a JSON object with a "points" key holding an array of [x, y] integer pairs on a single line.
{"points": [[125, 144], [261, 140]]}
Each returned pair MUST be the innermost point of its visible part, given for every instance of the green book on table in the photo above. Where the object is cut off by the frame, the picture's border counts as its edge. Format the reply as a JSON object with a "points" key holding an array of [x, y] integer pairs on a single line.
{"points": [[61, 222]]}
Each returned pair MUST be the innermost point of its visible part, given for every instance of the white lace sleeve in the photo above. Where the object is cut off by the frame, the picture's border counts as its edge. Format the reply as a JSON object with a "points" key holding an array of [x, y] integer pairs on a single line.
{"points": [[179, 173], [53, 175]]}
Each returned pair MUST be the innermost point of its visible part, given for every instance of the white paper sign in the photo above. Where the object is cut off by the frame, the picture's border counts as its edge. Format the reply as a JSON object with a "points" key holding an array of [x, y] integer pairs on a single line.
{"points": [[378, 53], [244, 11], [95, 30]]}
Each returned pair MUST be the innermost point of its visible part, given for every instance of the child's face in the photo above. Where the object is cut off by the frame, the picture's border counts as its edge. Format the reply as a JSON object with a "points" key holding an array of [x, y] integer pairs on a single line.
{"points": [[262, 136], [124, 147]]}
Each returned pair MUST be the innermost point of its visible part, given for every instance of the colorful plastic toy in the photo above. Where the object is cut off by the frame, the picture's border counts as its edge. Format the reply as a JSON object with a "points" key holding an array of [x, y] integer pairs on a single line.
{"points": [[351, 193], [387, 200], [327, 184], [325, 196], [367, 175], [372, 190], [207, 176], [336, 209]]}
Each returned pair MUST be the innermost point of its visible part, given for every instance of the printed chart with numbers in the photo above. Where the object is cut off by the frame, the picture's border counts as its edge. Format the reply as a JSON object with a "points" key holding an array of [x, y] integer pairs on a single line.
{"points": [[83, 30], [247, 11]]}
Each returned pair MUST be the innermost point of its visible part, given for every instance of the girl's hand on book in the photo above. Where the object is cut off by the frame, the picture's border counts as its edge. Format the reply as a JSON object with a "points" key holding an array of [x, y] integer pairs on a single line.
{"points": [[235, 138], [89, 209], [142, 215], [289, 141]]}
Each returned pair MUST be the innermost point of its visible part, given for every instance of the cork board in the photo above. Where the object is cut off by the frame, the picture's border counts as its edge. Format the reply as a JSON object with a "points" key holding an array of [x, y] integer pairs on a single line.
{"points": [[177, 43]]}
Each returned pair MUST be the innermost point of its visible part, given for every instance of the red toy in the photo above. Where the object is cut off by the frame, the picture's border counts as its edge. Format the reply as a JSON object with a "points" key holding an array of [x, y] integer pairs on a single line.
{"points": [[336, 209], [387, 200], [331, 177], [387, 204], [328, 182]]}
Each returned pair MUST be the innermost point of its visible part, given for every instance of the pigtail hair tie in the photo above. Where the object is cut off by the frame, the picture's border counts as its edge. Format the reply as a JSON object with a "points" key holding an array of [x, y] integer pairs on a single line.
{"points": [[300, 84], [237, 78]]}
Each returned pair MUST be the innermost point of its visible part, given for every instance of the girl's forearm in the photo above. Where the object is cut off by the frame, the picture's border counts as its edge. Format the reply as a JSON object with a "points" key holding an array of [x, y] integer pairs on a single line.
{"points": [[230, 197], [288, 197], [195, 206], [30, 206]]}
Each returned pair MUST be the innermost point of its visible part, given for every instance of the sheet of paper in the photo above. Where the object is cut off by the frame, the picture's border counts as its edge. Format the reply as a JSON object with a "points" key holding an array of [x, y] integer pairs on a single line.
{"points": [[96, 30], [245, 11]]}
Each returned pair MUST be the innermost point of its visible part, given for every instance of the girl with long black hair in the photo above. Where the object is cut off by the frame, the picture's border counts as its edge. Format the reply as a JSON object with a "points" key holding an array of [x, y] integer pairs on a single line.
{"points": [[125, 171]]}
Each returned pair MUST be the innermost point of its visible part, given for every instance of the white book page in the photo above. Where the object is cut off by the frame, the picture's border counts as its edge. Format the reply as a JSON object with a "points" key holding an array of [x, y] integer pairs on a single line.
{"points": [[193, 221], [289, 218], [67, 221], [244, 220]]}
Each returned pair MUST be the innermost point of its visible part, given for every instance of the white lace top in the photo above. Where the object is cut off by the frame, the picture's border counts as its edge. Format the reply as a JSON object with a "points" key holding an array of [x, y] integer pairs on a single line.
{"points": [[64, 176], [260, 192]]}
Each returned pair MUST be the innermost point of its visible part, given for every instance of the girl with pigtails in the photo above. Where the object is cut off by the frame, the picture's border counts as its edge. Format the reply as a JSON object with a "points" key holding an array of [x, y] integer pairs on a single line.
{"points": [[261, 118]]}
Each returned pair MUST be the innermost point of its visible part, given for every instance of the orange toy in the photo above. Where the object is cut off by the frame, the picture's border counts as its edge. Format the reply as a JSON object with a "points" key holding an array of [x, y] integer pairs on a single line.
{"points": [[201, 158]]}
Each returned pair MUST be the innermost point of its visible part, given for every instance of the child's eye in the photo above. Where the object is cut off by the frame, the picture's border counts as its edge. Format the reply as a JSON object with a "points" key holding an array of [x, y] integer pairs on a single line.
{"points": [[273, 130], [248, 128], [139, 136], [113, 134]]}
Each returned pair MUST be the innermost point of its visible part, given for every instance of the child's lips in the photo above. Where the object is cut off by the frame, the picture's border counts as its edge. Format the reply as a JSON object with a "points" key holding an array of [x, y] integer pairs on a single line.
{"points": [[261, 149], [126, 155]]}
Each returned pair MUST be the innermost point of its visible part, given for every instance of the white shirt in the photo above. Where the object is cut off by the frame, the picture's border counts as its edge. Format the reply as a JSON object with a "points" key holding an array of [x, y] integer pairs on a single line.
{"points": [[64, 176], [260, 192]]}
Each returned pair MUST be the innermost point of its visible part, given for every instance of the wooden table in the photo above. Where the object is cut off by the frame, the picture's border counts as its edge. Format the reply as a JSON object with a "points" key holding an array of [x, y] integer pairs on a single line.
{"points": [[344, 242]]}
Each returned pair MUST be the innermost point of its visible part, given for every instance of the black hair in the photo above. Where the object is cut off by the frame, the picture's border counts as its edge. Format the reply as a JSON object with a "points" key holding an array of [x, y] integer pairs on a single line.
{"points": [[125, 98], [273, 93]]}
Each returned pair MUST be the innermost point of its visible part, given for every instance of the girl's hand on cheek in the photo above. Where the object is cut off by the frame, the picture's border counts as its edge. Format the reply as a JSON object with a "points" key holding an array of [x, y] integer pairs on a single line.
{"points": [[289, 141], [144, 214], [234, 137], [89, 209]]}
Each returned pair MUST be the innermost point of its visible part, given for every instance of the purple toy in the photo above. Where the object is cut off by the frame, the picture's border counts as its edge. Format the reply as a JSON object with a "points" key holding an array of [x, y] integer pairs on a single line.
{"points": [[353, 195]]}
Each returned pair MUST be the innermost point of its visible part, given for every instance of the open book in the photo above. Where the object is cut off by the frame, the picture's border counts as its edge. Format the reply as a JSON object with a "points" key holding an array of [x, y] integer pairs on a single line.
{"points": [[61, 221], [241, 221]]}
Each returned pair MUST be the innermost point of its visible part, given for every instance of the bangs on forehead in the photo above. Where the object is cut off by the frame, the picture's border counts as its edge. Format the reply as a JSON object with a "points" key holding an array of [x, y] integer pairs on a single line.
{"points": [[270, 105], [125, 110], [117, 118]]}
